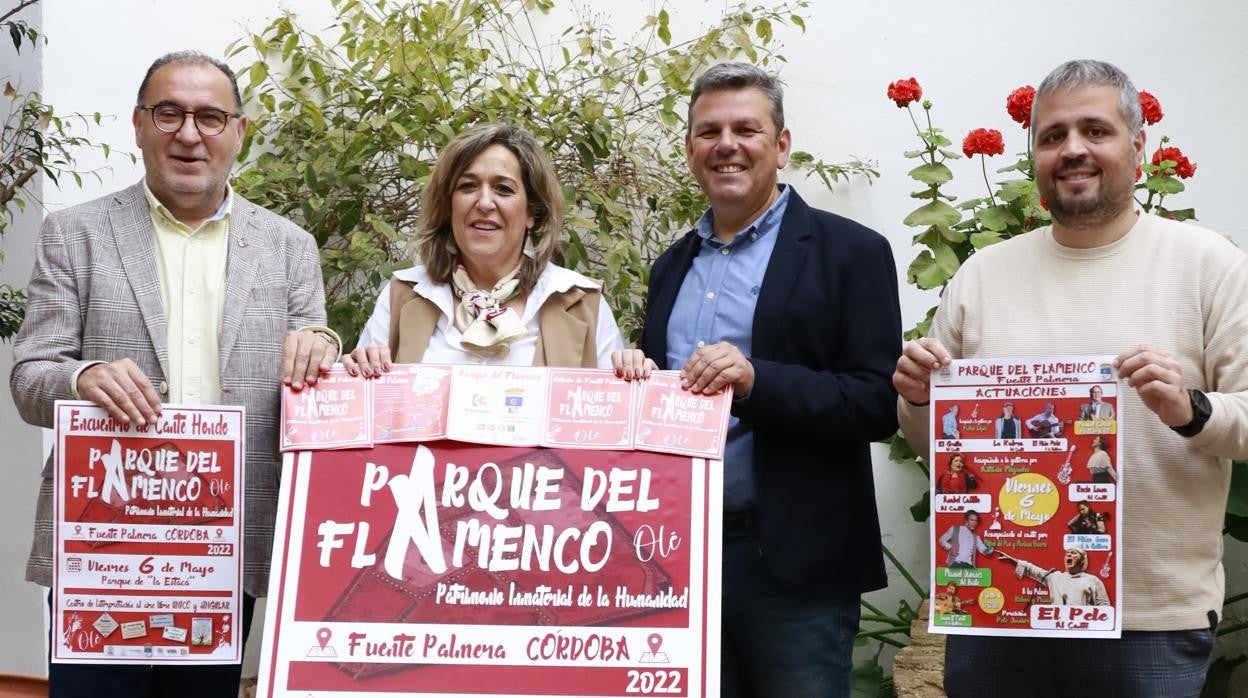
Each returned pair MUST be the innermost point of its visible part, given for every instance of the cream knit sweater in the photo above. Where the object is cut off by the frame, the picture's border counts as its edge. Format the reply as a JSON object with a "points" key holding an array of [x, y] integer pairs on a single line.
{"points": [[1168, 284]]}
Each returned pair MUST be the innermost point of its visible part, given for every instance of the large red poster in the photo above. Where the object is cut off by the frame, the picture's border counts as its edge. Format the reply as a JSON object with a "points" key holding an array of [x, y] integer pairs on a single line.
{"points": [[455, 569]]}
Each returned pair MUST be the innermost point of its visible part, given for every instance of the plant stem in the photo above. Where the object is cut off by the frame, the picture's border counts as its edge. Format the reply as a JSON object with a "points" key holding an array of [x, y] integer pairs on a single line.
{"points": [[1031, 163], [20, 6], [1242, 625], [867, 605], [904, 572], [879, 634], [983, 165], [917, 131], [1238, 597], [883, 640], [879, 618]]}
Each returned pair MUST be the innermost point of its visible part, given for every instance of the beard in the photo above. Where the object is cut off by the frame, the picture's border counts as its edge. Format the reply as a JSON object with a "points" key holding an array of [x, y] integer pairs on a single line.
{"points": [[1112, 198]]}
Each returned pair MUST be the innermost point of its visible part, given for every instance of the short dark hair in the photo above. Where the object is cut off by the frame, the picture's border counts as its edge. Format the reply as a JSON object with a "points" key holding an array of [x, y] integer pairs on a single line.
{"points": [[435, 243], [1086, 72], [194, 58], [739, 76]]}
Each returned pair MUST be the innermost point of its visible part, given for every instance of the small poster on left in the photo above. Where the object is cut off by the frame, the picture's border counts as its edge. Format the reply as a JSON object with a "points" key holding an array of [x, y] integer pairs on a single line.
{"points": [[147, 535]]}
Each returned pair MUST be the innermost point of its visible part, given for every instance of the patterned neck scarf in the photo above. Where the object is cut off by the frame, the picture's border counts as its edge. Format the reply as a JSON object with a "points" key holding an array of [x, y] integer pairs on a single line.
{"points": [[487, 327]]}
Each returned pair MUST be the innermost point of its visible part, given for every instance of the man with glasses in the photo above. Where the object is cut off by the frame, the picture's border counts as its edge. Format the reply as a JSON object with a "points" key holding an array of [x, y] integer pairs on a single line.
{"points": [[174, 290]]}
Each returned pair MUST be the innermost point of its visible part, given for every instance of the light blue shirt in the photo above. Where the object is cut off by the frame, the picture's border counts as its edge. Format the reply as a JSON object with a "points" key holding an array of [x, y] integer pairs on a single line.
{"points": [[716, 304]]}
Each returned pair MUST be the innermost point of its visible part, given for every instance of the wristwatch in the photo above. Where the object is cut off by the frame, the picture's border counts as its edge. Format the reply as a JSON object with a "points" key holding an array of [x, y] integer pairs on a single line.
{"points": [[1202, 410]]}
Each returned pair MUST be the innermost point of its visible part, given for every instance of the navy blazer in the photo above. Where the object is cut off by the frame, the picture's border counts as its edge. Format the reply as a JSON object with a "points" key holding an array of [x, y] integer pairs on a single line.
{"points": [[826, 338]]}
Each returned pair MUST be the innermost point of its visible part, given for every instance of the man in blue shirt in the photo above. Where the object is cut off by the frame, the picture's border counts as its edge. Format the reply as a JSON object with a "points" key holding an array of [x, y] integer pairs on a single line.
{"points": [[796, 310]]}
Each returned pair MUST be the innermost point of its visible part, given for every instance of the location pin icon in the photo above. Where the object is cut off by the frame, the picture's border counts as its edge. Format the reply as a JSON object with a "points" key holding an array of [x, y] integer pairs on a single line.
{"points": [[655, 641], [322, 637]]}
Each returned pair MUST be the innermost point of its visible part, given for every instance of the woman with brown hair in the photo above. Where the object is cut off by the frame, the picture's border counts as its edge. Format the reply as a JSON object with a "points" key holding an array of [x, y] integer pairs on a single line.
{"points": [[485, 289]]}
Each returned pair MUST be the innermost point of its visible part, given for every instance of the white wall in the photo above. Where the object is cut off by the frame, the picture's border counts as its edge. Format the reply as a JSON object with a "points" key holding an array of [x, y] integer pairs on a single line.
{"points": [[1191, 56], [21, 604]]}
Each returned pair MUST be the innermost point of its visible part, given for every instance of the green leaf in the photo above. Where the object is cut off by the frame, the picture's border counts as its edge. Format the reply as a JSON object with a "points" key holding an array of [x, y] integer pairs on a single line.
{"points": [[951, 154], [1181, 214], [982, 240], [798, 21], [801, 158], [763, 30], [934, 213], [925, 273], [866, 679], [259, 71], [665, 32], [922, 327], [996, 218], [953, 236], [914, 153], [1163, 184], [899, 450], [946, 259], [932, 173], [922, 509], [1014, 189]]}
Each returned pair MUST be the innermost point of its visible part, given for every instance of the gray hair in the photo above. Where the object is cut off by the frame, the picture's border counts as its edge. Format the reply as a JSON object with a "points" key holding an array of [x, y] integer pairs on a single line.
{"points": [[194, 58], [1091, 73], [739, 76]]}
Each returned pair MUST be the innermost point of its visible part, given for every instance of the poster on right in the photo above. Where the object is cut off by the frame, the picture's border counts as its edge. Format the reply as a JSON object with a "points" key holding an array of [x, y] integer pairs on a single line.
{"points": [[1027, 481]]}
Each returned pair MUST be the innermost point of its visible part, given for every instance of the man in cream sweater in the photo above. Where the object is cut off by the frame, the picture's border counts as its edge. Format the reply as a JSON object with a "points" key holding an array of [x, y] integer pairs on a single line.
{"points": [[1170, 306]]}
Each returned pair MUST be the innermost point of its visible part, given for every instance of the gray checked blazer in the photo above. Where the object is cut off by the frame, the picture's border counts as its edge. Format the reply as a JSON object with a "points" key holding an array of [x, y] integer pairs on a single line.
{"points": [[95, 295]]}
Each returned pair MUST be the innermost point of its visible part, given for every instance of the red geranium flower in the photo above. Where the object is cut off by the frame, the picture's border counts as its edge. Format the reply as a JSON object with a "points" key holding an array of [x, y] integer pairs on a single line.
{"points": [[1139, 172], [1183, 167], [1150, 108], [1018, 104], [904, 92], [983, 141]]}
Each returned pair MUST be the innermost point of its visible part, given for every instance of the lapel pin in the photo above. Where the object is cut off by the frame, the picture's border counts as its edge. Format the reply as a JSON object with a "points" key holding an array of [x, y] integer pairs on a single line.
{"points": [[243, 243]]}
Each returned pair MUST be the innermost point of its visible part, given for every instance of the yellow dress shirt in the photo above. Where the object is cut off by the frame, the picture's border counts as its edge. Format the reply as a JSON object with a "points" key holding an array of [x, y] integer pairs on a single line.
{"points": [[191, 268]]}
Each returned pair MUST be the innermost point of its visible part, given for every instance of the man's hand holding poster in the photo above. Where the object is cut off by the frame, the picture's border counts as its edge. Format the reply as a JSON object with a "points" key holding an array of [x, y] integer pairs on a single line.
{"points": [[445, 568], [1026, 504], [147, 536]]}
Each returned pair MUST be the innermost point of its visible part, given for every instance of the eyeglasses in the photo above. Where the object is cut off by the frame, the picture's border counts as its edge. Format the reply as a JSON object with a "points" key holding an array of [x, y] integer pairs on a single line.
{"points": [[209, 121]]}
